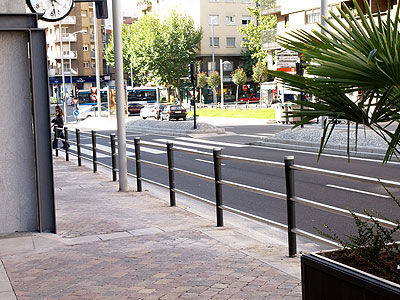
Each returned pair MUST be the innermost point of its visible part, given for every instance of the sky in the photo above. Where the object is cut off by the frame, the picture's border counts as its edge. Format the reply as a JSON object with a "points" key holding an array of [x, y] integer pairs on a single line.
{"points": [[128, 8]]}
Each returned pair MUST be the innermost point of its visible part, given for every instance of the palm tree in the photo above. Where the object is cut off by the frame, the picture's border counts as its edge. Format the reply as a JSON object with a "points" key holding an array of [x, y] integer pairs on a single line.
{"points": [[354, 53]]}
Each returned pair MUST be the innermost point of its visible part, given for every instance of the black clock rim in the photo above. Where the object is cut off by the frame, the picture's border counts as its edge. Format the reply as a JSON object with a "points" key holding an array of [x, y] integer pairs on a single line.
{"points": [[28, 2]]}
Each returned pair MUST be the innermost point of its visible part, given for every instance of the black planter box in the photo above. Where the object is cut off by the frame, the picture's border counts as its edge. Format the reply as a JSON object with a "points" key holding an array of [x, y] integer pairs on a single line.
{"points": [[325, 279]]}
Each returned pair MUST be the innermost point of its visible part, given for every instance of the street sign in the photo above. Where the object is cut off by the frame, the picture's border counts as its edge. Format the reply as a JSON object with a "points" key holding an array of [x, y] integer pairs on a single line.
{"points": [[75, 101], [286, 59], [76, 113], [191, 93], [93, 97], [93, 89]]}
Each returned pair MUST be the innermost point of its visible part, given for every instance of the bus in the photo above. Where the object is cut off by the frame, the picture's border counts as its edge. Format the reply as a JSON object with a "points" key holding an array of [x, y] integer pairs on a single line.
{"points": [[84, 97], [143, 95]]}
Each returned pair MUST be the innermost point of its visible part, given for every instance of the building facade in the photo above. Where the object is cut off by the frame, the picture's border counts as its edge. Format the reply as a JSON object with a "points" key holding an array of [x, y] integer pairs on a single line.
{"points": [[219, 20], [71, 42]]}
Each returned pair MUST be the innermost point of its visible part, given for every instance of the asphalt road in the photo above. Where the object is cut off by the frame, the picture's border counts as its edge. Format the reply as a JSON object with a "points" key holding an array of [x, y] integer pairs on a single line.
{"points": [[329, 190]]}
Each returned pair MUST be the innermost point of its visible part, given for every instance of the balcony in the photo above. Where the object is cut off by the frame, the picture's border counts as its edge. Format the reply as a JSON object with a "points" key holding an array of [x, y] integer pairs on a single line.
{"points": [[268, 39], [68, 20], [58, 72], [68, 55], [270, 7], [66, 37]]}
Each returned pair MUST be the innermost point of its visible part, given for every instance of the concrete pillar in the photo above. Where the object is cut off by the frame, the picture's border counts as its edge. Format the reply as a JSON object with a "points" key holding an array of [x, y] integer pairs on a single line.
{"points": [[17, 162]]}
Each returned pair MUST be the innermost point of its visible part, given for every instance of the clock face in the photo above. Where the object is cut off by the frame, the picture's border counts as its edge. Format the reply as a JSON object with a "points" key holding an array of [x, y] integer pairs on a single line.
{"points": [[52, 10]]}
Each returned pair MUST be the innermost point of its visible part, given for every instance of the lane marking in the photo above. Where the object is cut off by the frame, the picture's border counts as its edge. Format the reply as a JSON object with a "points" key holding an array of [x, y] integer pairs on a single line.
{"points": [[146, 149], [207, 161], [255, 136], [187, 144], [86, 151], [108, 149], [324, 154], [357, 191], [211, 142], [266, 133]]}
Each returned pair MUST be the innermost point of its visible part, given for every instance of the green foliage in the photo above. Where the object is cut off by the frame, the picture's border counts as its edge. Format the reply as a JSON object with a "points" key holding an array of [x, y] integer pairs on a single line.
{"points": [[159, 50], [353, 55], [248, 61], [372, 239], [260, 73], [239, 76], [252, 32], [214, 79], [201, 80]]}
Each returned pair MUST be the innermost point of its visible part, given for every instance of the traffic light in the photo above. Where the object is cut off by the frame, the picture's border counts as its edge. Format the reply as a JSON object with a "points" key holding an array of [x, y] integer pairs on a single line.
{"points": [[101, 9]]}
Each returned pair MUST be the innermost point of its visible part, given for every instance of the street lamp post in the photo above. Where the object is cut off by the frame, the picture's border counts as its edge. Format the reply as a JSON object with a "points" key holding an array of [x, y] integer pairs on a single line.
{"points": [[97, 63], [70, 61], [222, 64], [62, 73], [213, 58]]}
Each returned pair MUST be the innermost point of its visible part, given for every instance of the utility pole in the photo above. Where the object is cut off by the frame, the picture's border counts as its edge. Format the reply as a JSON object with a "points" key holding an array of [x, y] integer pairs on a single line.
{"points": [[213, 58], [131, 75], [324, 9], [221, 66], [97, 59], [119, 90]]}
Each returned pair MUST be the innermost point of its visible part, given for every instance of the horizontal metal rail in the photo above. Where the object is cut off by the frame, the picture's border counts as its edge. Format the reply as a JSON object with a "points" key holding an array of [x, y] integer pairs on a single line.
{"points": [[72, 142], [207, 178], [102, 135], [254, 189], [104, 165], [154, 182], [341, 211], [343, 175], [103, 151], [254, 161], [87, 147], [153, 164], [315, 237], [195, 197], [253, 217]]}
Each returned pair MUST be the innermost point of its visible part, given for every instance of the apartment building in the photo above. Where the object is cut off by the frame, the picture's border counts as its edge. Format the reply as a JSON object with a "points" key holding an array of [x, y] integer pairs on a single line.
{"points": [[219, 19], [72, 41], [293, 15]]}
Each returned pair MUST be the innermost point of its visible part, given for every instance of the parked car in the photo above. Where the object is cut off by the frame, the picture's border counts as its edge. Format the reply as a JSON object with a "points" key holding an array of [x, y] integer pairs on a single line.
{"points": [[150, 112], [173, 112], [252, 98], [91, 111], [134, 108]]}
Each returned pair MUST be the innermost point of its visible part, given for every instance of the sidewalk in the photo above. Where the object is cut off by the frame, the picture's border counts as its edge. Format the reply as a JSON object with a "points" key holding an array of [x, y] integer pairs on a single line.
{"points": [[113, 245]]}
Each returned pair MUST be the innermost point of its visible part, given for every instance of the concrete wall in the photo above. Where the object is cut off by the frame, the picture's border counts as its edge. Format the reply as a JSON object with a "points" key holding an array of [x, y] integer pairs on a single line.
{"points": [[17, 170]]}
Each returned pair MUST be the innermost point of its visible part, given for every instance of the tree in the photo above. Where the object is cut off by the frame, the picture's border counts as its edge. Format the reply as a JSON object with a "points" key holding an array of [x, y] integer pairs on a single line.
{"points": [[159, 50], [248, 61], [252, 32], [354, 55], [239, 78], [201, 81], [214, 80], [260, 73]]}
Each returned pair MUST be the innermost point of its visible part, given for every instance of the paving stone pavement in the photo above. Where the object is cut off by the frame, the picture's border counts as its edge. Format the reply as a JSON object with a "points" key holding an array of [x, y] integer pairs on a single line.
{"points": [[113, 245]]}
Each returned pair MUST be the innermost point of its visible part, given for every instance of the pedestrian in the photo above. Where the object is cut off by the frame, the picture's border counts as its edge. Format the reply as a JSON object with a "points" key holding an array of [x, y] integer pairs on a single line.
{"points": [[58, 122]]}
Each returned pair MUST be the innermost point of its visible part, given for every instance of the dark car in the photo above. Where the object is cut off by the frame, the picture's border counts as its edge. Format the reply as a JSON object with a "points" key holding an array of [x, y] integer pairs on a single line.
{"points": [[173, 112], [252, 98], [134, 108]]}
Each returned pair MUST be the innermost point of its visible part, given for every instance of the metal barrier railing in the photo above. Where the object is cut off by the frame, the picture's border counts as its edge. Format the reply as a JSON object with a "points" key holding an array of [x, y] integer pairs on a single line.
{"points": [[288, 166]]}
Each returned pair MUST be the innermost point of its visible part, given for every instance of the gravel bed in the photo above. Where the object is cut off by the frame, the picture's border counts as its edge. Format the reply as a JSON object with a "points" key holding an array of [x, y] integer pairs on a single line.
{"points": [[172, 127]]}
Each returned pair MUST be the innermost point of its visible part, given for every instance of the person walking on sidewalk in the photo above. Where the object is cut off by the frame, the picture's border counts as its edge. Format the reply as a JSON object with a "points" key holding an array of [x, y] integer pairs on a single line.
{"points": [[58, 122]]}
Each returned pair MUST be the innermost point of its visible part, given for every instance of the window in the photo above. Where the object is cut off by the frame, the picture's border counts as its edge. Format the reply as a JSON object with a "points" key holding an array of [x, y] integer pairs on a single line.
{"points": [[84, 13], [230, 20], [86, 65], [313, 16], [246, 20], [230, 42], [213, 0], [216, 41], [213, 19], [85, 47], [230, 1]]}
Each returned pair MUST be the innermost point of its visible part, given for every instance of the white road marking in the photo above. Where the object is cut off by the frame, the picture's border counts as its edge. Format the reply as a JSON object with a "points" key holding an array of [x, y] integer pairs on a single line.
{"points": [[108, 149], [207, 161], [324, 154], [266, 133], [187, 144], [252, 135], [357, 191], [146, 149], [87, 151], [210, 142]]}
